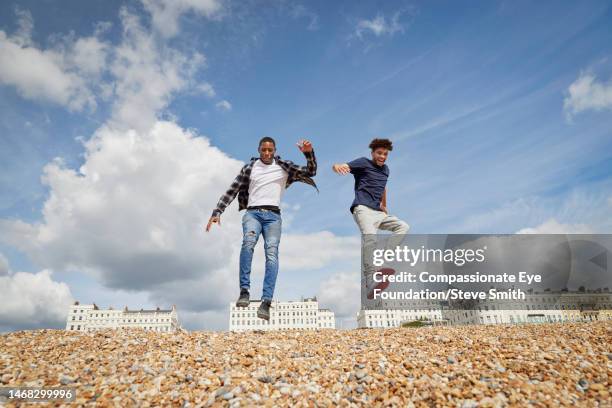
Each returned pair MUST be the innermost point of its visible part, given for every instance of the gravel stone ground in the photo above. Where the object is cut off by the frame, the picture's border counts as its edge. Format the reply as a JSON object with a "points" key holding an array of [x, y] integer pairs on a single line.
{"points": [[543, 365]]}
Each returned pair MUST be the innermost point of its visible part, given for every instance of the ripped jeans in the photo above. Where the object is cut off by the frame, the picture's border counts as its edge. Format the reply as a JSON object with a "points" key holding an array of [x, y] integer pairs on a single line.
{"points": [[268, 224]]}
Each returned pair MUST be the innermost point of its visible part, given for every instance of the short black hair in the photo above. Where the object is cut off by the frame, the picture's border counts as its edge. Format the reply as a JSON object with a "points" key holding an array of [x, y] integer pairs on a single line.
{"points": [[384, 143], [267, 139]]}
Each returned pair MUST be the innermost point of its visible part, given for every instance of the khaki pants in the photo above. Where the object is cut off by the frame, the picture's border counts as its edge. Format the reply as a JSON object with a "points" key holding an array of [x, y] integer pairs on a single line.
{"points": [[369, 222]]}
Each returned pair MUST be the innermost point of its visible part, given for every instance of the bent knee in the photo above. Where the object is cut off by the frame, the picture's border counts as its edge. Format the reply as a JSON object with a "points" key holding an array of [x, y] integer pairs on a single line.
{"points": [[402, 228], [249, 240], [271, 247]]}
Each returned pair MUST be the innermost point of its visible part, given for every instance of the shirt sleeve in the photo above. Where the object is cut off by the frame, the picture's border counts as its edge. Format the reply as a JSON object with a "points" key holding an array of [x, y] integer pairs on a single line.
{"points": [[311, 163], [310, 170], [230, 194], [357, 165]]}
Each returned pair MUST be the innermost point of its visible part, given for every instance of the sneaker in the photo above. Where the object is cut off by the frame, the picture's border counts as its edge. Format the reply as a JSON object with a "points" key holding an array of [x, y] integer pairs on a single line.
{"points": [[243, 300], [264, 310]]}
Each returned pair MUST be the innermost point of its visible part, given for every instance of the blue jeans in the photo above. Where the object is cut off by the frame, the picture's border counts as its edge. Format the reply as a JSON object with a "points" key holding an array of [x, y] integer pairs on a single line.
{"points": [[254, 223]]}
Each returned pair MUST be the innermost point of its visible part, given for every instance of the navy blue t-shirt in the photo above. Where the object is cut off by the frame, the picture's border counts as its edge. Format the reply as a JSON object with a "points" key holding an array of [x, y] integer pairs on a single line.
{"points": [[370, 182]]}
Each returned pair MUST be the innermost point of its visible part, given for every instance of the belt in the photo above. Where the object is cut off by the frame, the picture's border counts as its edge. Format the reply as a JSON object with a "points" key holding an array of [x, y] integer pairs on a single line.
{"points": [[271, 208]]}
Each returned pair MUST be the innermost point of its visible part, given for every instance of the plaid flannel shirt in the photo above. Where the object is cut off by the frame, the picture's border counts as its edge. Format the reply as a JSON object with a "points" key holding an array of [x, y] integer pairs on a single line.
{"points": [[241, 183]]}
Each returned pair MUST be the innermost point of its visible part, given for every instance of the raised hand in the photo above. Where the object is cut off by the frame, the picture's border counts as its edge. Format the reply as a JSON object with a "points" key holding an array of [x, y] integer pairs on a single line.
{"points": [[342, 169], [304, 146]]}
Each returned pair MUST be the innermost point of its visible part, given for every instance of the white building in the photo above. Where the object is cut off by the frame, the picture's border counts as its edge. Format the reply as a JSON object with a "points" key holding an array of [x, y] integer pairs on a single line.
{"points": [[537, 307], [304, 314], [395, 317], [91, 317]]}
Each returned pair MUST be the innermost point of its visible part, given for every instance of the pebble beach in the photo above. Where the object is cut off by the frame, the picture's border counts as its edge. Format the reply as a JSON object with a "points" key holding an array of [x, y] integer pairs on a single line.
{"points": [[541, 365]]}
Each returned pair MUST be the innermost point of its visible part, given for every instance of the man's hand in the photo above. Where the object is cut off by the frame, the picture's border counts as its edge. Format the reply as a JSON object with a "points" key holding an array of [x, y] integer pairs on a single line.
{"points": [[305, 146], [342, 169], [213, 220]]}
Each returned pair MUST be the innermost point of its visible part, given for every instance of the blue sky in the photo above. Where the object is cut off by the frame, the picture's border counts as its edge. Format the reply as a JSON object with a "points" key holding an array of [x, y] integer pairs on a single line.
{"points": [[500, 113]]}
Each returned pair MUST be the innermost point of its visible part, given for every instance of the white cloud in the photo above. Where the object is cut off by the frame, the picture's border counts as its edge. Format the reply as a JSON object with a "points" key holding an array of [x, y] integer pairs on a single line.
{"points": [[582, 209], [165, 14], [132, 214], [224, 106], [132, 217], [552, 226], [207, 89], [89, 55], [25, 25], [380, 26], [4, 265], [33, 300], [586, 93], [139, 75], [147, 74], [47, 75], [314, 251], [341, 293], [67, 73], [371, 32], [299, 11]]}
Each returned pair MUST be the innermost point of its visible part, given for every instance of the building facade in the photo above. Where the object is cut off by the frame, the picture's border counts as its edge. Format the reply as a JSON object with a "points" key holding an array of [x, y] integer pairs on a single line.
{"points": [[395, 317], [293, 315], [91, 317], [543, 307]]}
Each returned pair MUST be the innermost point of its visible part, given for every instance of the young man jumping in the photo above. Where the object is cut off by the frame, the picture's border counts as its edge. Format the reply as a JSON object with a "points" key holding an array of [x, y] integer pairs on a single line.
{"points": [[369, 208], [260, 186]]}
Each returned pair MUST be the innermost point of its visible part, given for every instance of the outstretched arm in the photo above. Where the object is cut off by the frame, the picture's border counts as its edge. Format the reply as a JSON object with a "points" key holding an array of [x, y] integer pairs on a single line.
{"points": [[355, 167], [341, 168]]}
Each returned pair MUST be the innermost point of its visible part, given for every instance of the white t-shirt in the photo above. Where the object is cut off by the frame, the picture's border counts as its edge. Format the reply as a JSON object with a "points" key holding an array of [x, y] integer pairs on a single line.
{"points": [[267, 184]]}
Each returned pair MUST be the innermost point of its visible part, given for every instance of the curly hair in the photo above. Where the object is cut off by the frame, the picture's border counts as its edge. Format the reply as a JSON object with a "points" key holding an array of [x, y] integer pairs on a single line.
{"points": [[384, 143]]}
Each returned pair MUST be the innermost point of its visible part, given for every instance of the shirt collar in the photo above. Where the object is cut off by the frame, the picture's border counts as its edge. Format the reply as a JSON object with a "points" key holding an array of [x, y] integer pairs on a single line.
{"points": [[254, 159]]}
